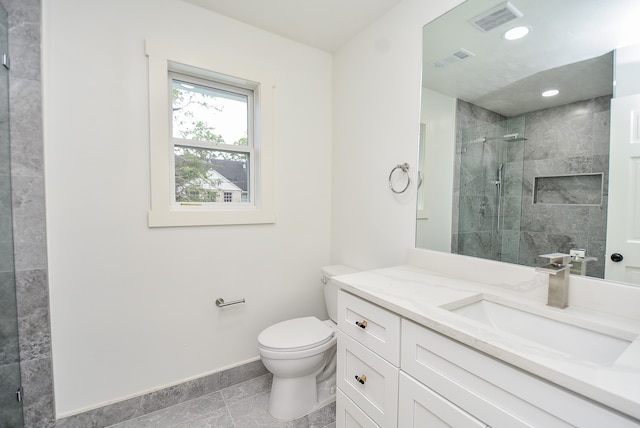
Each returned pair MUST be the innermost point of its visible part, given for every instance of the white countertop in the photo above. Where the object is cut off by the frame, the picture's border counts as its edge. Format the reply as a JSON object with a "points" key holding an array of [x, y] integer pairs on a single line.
{"points": [[423, 295]]}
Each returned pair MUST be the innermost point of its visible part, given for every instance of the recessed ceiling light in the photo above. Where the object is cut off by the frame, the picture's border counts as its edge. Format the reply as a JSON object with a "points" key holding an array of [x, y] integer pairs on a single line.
{"points": [[516, 33], [550, 93]]}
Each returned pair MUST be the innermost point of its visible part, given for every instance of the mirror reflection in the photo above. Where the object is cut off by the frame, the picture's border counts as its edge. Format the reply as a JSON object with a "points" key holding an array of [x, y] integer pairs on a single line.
{"points": [[510, 174]]}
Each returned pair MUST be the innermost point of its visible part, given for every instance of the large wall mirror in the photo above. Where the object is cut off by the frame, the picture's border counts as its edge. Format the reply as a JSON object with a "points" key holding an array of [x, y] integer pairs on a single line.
{"points": [[509, 174]]}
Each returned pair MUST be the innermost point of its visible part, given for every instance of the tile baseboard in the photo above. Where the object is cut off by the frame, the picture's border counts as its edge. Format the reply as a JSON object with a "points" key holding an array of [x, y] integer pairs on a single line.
{"points": [[146, 403]]}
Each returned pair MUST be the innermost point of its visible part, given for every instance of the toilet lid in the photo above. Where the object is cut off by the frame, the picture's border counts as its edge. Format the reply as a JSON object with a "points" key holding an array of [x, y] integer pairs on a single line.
{"points": [[297, 333]]}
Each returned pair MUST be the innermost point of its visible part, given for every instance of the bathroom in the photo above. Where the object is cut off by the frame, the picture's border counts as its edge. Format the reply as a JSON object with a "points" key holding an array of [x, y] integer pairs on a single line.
{"points": [[133, 308]]}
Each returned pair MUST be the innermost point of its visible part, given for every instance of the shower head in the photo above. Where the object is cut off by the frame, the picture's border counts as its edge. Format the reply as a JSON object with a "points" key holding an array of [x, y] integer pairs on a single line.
{"points": [[508, 137], [513, 137]]}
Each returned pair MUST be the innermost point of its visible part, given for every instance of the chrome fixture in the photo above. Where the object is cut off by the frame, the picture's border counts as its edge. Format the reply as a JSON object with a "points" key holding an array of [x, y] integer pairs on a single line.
{"points": [[558, 270], [508, 137], [579, 261], [499, 181], [405, 168], [221, 303]]}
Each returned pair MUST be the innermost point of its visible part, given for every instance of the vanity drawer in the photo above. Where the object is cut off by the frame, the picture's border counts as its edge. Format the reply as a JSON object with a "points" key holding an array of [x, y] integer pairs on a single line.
{"points": [[419, 407], [495, 392], [348, 415], [368, 380], [374, 327]]}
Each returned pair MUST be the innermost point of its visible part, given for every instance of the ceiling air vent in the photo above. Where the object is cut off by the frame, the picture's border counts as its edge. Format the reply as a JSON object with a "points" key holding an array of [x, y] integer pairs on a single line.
{"points": [[459, 55], [496, 16]]}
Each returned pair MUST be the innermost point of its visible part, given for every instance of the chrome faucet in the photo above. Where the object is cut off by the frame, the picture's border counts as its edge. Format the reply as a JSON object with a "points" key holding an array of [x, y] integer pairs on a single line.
{"points": [[558, 270]]}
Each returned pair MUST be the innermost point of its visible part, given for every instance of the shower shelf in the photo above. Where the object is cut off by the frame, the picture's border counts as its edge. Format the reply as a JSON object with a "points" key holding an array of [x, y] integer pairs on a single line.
{"points": [[571, 189]]}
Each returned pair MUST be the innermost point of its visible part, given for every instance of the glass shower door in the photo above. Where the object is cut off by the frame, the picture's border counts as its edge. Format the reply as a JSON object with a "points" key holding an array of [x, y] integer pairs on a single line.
{"points": [[10, 408], [490, 192]]}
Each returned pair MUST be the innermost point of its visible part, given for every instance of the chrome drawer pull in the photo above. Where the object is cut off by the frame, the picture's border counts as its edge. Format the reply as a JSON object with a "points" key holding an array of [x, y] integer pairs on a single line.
{"points": [[362, 324], [362, 379]]}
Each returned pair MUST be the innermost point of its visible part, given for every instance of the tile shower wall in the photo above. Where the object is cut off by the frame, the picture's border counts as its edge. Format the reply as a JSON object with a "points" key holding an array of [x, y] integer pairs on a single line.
{"points": [[491, 190], [468, 116], [566, 140], [10, 409], [29, 211]]}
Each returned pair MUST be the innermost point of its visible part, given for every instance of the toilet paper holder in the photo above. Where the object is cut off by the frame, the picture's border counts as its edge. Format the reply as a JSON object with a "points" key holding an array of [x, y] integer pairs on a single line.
{"points": [[221, 303]]}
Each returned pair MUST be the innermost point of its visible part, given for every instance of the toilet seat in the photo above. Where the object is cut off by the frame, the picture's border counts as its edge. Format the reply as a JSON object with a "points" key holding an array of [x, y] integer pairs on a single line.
{"points": [[296, 334]]}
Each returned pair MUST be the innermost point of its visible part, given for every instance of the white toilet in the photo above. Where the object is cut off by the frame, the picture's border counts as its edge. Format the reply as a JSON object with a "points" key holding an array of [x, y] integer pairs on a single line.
{"points": [[301, 354]]}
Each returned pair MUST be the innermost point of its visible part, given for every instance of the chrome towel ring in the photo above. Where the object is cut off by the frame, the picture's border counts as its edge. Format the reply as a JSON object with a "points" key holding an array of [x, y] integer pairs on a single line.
{"points": [[405, 168]]}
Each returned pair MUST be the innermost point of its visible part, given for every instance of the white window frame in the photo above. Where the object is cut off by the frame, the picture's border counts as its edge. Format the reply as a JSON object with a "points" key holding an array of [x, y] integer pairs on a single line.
{"points": [[221, 84], [164, 212]]}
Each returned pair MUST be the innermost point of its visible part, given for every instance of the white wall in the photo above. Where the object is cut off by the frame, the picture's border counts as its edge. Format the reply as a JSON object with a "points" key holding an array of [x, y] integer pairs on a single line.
{"points": [[627, 69], [132, 308], [376, 114]]}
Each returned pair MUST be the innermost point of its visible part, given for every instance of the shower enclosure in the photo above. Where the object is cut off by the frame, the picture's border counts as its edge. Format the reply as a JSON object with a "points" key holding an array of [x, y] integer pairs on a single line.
{"points": [[490, 193], [10, 391]]}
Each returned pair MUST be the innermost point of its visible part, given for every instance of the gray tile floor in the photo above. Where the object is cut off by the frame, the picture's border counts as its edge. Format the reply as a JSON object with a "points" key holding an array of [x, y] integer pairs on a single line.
{"points": [[239, 406]]}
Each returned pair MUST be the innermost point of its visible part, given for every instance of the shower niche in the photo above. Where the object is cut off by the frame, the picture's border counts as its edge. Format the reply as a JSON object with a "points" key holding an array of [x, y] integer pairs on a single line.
{"points": [[576, 189]]}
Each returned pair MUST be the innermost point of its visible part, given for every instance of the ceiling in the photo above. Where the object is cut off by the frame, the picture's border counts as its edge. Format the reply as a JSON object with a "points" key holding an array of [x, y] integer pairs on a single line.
{"points": [[323, 24], [568, 48], [581, 60]]}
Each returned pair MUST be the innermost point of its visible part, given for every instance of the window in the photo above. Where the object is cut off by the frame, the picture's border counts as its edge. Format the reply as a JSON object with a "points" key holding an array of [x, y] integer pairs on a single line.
{"points": [[210, 140]]}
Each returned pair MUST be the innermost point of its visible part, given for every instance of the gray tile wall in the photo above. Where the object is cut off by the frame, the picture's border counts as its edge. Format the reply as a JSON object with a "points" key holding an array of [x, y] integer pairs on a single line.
{"points": [[489, 227], [468, 116], [10, 409], [29, 211], [564, 140]]}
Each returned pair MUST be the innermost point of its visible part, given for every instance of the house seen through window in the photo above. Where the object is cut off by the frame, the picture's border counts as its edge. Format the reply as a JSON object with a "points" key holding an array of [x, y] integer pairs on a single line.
{"points": [[211, 135]]}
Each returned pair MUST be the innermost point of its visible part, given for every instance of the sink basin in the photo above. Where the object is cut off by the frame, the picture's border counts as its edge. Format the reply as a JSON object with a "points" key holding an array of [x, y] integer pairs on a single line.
{"points": [[576, 342]]}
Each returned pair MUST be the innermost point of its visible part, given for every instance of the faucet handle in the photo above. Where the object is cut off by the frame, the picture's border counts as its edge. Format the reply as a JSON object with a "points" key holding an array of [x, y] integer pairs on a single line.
{"points": [[557, 263], [554, 256]]}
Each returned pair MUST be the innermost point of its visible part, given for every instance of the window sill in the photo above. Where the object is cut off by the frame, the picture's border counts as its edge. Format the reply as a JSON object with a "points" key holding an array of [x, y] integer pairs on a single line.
{"points": [[181, 217]]}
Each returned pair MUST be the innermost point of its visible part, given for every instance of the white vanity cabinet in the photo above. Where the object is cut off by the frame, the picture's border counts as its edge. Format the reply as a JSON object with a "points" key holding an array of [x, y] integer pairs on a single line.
{"points": [[450, 371], [416, 377], [494, 392], [368, 360], [348, 415], [421, 407]]}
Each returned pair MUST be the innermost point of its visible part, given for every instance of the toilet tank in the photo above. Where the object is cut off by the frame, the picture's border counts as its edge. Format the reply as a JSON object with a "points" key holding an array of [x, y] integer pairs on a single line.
{"points": [[330, 288]]}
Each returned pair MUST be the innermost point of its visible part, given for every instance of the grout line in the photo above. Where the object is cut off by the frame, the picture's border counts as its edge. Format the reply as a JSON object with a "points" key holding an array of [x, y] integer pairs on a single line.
{"points": [[226, 406]]}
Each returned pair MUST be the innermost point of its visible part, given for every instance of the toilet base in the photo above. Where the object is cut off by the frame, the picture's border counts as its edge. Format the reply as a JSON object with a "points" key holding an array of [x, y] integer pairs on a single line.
{"points": [[292, 398], [326, 392]]}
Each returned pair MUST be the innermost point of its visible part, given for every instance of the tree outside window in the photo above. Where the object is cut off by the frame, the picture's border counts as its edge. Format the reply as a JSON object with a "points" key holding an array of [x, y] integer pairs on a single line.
{"points": [[210, 133]]}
